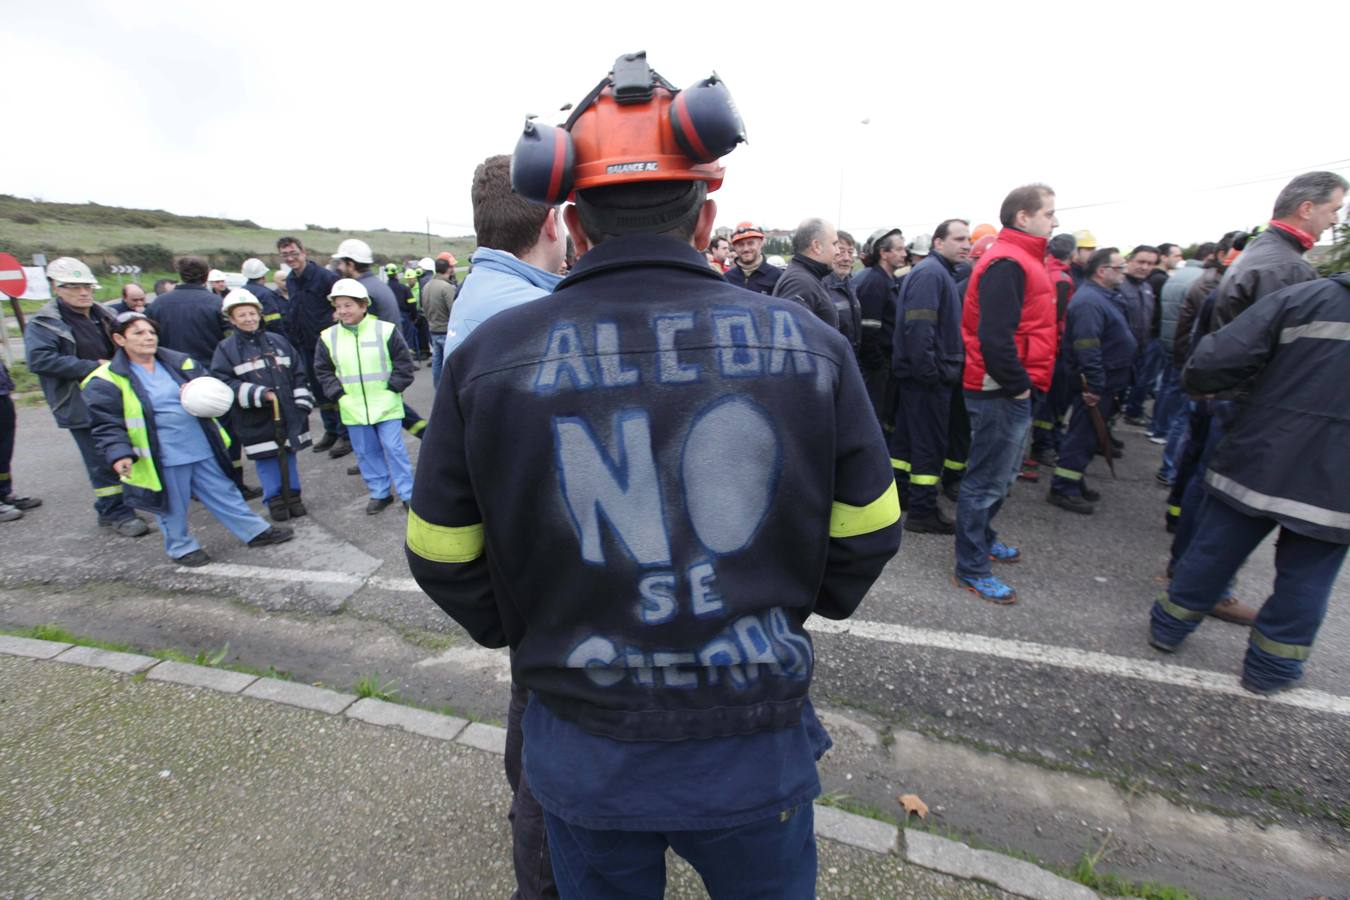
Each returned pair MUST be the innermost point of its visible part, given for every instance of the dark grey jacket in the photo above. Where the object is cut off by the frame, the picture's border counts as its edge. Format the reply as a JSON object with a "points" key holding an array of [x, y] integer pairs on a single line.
{"points": [[804, 281], [1272, 260], [1138, 308], [1284, 455], [50, 348]]}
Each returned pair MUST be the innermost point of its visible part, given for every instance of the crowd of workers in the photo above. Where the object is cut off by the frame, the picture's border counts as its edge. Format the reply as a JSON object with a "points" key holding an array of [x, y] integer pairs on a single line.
{"points": [[653, 578]]}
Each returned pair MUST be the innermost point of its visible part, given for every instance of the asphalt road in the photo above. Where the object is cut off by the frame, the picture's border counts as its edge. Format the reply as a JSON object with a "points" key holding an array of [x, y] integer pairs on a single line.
{"points": [[1063, 682]]}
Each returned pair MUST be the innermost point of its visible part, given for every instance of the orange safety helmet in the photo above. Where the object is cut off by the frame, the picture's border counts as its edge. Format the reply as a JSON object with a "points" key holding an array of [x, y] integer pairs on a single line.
{"points": [[982, 230], [447, 256], [634, 126], [746, 230]]}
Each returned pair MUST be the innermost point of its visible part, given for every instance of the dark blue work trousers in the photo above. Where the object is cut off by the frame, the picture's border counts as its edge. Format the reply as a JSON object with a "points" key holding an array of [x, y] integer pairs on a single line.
{"points": [[108, 501], [1305, 569], [771, 859], [1080, 442], [920, 440]]}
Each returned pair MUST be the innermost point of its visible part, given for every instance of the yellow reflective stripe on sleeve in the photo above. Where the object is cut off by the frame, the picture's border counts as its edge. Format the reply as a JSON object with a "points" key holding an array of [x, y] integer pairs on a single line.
{"points": [[924, 479], [953, 465], [1277, 648], [444, 543], [851, 521], [108, 491], [1174, 510], [1042, 423], [899, 464], [271, 317], [1086, 343], [921, 315]]}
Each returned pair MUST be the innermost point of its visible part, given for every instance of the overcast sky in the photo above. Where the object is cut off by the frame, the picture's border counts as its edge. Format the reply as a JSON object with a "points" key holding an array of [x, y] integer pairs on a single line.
{"points": [[290, 112]]}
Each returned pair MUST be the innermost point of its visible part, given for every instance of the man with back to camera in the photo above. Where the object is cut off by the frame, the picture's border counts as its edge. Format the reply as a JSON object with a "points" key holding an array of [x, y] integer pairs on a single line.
{"points": [[688, 513], [1008, 325]]}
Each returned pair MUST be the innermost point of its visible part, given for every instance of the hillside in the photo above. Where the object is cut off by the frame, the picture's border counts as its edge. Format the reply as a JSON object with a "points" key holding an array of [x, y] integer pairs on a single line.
{"points": [[151, 238]]}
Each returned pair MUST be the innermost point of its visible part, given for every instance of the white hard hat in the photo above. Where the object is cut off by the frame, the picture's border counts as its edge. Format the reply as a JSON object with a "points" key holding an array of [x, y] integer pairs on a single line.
{"points": [[921, 245], [426, 264], [776, 260], [207, 397], [239, 297], [69, 270], [215, 275], [349, 287], [355, 250], [254, 268], [282, 272]]}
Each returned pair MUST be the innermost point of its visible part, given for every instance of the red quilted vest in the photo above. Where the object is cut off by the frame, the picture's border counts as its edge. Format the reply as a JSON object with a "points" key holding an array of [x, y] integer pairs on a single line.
{"points": [[1036, 332]]}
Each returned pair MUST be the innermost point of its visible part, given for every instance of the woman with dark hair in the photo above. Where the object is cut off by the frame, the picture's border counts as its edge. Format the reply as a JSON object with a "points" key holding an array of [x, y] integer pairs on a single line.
{"points": [[164, 455]]}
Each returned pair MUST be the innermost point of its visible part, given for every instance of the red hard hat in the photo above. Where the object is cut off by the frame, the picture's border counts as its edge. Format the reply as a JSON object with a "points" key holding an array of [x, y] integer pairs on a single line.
{"points": [[979, 248], [981, 231]]}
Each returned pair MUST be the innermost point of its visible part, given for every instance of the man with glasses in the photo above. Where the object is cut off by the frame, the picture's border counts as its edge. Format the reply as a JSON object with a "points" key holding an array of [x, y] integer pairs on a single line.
{"points": [[65, 341], [308, 286], [1099, 348]]}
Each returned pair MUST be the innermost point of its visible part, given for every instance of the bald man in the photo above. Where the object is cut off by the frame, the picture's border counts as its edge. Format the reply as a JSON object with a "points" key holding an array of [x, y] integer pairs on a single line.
{"points": [[133, 300]]}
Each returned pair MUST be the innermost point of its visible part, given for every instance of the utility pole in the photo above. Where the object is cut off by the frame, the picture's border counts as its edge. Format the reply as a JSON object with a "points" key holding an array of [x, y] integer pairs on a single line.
{"points": [[428, 237]]}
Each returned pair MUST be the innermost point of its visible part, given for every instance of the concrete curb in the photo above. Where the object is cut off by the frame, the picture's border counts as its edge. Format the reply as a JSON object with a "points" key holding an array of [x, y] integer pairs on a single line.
{"points": [[920, 848]]}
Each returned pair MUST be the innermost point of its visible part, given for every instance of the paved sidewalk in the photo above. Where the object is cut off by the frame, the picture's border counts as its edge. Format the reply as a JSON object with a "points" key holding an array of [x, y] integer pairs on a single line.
{"points": [[116, 783]]}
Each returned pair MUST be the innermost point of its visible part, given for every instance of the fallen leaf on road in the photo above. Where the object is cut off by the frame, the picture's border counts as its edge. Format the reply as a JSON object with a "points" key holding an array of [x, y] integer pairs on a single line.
{"points": [[913, 804]]}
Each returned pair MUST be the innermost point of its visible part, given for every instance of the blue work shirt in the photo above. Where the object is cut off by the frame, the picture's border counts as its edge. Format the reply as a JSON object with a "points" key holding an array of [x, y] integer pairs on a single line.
{"points": [[600, 783], [499, 281], [181, 440]]}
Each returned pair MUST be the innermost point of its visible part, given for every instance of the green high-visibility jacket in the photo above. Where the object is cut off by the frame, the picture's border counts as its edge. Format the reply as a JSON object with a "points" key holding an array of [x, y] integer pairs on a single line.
{"points": [[366, 368], [123, 424]]}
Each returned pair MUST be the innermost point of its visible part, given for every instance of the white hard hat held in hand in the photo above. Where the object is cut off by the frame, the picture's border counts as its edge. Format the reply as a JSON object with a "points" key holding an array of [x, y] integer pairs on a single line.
{"points": [[207, 397]]}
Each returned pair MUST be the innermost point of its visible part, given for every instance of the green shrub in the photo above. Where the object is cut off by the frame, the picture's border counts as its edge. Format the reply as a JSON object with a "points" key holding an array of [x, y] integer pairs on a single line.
{"points": [[147, 256], [25, 219]]}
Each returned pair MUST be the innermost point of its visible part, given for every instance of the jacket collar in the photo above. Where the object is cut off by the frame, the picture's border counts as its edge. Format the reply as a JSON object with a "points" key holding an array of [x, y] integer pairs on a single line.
{"points": [[939, 260], [510, 264], [121, 363], [1026, 242], [815, 267], [640, 251], [189, 287]]}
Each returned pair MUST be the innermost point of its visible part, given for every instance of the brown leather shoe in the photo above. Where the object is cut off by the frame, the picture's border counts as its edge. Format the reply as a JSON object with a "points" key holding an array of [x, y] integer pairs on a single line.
{"points": [[1231, 609]]}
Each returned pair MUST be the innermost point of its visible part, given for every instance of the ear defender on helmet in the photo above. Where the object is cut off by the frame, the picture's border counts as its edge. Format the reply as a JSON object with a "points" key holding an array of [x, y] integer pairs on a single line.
{"points": [[705, 120], [542, 164]]}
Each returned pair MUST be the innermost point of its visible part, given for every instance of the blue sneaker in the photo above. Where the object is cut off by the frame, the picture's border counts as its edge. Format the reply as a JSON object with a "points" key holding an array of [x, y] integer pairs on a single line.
{"points": [[1001, 552], [988, 588]]}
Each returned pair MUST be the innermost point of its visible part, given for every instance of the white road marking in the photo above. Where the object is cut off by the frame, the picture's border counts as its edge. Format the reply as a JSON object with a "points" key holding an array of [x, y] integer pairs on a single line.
{"points": [[885, 632], [1080, 660]]}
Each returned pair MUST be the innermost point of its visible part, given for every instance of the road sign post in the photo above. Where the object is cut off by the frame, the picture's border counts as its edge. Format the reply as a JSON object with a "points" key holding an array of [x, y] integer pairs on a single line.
{"points": [[13, 282]]}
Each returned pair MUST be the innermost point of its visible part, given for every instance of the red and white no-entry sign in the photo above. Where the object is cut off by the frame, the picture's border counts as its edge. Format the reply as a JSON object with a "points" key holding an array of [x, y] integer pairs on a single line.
{"points": [[13, 282]]}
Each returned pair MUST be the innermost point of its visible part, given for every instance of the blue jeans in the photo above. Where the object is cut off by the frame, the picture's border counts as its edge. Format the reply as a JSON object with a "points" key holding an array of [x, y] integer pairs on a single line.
{"points": [[998, 432], [1171, 400], [437, 358], [1305, 569], [218, 494], [269, 476], [769, 858], [1146, 366], [107, 486], [1176, 435], [381, 455]]}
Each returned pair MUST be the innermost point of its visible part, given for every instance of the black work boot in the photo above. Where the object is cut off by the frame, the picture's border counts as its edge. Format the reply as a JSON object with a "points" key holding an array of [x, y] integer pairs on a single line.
{"points": [[1072, 502], [278, 509], [323, 443]]}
